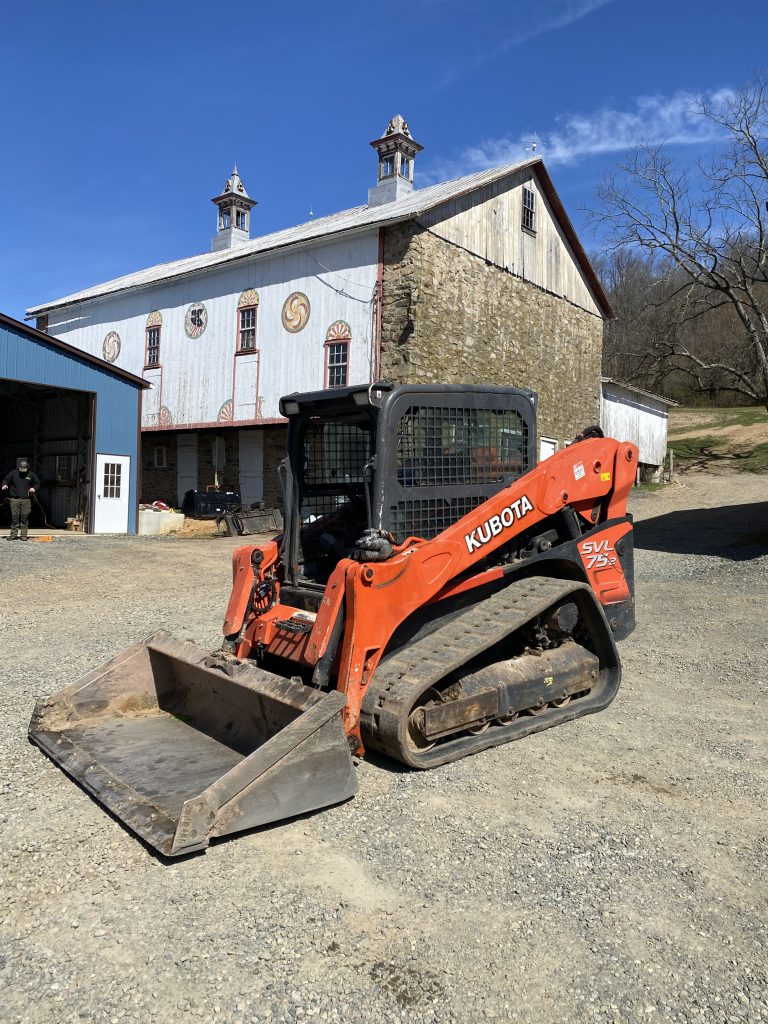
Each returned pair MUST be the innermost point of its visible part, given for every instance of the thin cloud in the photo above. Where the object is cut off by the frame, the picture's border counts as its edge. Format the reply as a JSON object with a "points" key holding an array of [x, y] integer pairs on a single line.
{"points": [[653, 119], [510, 25]]}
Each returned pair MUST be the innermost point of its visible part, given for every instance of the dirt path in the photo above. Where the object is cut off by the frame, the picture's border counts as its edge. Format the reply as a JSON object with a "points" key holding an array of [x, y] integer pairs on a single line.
{"points": [[611, 870]]}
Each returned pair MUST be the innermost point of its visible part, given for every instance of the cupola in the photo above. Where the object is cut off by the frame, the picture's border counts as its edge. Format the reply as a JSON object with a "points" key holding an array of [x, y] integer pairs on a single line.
{"points": [[234, 220], [397, 152]]}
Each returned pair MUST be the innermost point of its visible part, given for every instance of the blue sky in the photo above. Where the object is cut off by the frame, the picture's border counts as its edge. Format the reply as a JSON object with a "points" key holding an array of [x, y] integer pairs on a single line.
{"points": [[120, 120]]}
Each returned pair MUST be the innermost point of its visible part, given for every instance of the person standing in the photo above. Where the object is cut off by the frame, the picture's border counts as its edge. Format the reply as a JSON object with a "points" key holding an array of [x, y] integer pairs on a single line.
{"points": [[21, 483]]}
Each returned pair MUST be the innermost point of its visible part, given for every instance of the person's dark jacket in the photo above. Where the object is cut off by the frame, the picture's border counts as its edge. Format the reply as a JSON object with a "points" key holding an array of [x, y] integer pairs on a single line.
{"points": [[18, 485]]}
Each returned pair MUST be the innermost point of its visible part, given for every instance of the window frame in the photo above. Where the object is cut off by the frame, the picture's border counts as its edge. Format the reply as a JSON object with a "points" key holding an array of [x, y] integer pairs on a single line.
{"points": [[150, 364], [385, 158], [342, 344], [240, 350], [241, 215], [160, 463], [528, 220]]}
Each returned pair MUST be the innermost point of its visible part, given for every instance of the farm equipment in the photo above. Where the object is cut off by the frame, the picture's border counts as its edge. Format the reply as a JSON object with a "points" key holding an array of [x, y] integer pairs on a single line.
{"points": [[434, 593]]}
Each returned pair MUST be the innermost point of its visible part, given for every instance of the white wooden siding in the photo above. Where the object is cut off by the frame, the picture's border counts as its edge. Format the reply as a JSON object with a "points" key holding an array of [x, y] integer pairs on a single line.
{"points": [[198, 375], [630, 416], [487, 222]]}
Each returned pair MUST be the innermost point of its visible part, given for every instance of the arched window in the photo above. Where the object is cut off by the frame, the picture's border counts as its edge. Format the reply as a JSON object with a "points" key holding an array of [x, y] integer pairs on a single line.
{"points": [[153, 331], [247, 306], [337, 340]]}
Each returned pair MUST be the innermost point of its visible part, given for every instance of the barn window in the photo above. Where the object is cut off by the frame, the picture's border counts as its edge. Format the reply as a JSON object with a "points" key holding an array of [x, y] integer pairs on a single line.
{"points": [[241, 219], [387, 166], [161, 456], [337, 340], [153, 328], [405, 167], [247, 306], [529, 209], [153, 346], [225, 219]]}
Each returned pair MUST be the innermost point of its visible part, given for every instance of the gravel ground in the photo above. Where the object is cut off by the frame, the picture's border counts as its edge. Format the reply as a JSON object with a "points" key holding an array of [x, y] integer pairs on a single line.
{"points": [[611, 870]]}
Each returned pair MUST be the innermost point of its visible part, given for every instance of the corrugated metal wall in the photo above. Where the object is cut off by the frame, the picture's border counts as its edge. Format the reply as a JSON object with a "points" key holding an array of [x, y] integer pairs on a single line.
{"points": [[26, 358]]}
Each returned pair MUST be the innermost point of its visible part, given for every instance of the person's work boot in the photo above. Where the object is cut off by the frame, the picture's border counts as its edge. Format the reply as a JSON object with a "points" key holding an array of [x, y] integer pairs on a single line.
{"points": [[23, 538]]}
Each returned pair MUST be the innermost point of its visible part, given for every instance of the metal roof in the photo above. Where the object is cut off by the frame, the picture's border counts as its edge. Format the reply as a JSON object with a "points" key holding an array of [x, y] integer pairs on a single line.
{"points": [[355, 219], [62, 346], [638, 391]]}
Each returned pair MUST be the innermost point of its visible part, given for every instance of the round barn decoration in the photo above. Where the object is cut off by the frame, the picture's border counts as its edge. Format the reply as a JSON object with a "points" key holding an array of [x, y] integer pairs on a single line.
{"points": [[226, 412], [295, 312], [196, 320], [165, 419], [155, 319], [111, 347]]}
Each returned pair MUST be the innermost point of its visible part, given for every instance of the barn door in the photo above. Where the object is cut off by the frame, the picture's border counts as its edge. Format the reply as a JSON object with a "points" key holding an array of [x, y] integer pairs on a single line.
{"points": [[251, 466], [186, 464]]}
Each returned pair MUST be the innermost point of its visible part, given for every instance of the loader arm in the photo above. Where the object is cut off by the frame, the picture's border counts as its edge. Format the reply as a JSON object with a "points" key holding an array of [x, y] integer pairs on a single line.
{"points": [[592, 477]]}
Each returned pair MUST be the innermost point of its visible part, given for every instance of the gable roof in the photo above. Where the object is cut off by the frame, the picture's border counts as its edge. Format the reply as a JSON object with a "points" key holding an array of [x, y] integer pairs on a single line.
{"points": [[78, 353], [358, 217]]}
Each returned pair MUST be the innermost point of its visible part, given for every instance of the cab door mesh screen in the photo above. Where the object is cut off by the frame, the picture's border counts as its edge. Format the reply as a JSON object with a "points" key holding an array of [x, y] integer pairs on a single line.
{"points": [[449, 460], [332, 492]]}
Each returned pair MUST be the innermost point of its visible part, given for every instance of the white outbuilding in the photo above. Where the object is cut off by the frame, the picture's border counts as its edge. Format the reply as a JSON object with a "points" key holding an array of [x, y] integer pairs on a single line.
{"points": [[631, 414]]}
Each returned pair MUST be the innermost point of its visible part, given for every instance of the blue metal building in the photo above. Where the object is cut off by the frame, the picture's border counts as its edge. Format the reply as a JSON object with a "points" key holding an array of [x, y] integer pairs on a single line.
{"points": [[76, 419]]}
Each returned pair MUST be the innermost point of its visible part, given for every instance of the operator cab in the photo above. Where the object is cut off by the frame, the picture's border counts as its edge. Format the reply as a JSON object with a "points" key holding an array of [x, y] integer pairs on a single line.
{"points": [[409, 460]]}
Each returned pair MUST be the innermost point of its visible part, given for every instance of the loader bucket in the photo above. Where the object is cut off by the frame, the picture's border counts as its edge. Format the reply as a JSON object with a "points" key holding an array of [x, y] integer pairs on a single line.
{"points": [[183, 746]]}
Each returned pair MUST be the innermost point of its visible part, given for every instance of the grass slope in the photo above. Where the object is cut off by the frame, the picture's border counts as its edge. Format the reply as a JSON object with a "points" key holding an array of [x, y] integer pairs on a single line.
{"points": [[736, 438]]}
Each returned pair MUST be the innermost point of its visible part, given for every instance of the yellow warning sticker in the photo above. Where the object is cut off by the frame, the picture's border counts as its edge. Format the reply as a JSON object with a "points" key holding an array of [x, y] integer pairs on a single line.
{"points": [[605, 476]]}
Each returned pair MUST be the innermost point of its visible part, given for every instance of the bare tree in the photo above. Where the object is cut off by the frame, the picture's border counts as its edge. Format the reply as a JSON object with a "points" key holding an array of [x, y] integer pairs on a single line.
{"points": [[707, 228]]}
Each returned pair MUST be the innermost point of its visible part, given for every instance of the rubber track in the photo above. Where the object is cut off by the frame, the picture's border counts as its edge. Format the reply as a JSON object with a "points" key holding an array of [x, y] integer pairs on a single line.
{"points": [[402, 678]]}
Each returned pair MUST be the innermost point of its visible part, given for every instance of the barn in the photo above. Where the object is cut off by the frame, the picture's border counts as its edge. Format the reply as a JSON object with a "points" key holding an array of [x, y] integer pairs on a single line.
{"points": [[631, 414], [76, 419], [477, 280]]}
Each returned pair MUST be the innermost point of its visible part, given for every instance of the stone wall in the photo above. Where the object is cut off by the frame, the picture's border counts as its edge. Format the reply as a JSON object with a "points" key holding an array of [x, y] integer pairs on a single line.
{"points": [[158, 484], [450, 317]]}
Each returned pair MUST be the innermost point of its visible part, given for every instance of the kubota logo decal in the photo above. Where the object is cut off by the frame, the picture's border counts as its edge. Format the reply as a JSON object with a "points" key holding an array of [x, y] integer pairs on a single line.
{"points": [[597, 554], [492, 527]]}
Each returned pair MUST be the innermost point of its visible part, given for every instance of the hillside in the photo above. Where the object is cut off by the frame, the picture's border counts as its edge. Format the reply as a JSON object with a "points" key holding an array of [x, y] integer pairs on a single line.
{"points": [[734, 439]]}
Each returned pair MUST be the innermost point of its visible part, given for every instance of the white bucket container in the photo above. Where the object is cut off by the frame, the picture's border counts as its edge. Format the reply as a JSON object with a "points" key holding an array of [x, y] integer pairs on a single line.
{"points": [[152, 523]]}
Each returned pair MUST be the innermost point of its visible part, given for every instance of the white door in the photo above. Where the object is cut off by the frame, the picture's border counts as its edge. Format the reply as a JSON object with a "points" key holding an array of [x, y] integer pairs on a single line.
{"points": [[112, 486], [186, 464], [547, 447], [251, 466]]}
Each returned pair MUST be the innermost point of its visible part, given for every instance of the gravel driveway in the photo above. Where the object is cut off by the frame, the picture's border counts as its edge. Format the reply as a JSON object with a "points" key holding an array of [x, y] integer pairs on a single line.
{"points": [[610, 870]]}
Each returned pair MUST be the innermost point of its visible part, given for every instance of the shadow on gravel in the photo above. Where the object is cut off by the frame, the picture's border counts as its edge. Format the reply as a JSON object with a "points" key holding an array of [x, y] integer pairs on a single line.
{"points": [[738, 532]]}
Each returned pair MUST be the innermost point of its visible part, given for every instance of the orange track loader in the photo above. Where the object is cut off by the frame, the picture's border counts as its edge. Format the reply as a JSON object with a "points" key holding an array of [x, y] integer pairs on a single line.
{"points": [[435, 592]]}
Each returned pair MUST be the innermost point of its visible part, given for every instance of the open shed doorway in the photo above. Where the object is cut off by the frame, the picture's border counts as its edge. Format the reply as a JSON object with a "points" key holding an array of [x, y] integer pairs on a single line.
{"points": [[53, 429]]}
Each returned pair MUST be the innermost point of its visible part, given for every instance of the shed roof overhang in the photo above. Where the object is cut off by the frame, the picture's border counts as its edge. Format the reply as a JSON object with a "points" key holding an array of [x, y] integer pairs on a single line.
{"points": [[77, 353]]}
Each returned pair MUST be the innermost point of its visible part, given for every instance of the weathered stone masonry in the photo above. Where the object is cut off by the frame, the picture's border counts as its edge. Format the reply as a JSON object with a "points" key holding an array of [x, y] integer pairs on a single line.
{"points": [[448, 316]]}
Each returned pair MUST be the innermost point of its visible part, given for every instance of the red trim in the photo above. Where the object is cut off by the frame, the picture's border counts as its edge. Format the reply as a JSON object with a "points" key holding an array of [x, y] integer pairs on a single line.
{"points": [[276, 421], [247, 352]]}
